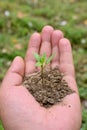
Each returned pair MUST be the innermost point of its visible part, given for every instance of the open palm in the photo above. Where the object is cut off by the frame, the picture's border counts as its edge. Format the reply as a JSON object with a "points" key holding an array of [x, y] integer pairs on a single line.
{"points": [[18, 108]]}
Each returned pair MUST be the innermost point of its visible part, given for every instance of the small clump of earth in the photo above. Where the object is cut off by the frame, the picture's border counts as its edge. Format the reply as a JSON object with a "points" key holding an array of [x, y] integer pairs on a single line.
{"points": [[49, 91]]}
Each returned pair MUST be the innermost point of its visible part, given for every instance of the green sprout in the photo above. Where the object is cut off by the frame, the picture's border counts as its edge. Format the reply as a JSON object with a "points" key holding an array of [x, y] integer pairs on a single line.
{"points": [[42, 61]]}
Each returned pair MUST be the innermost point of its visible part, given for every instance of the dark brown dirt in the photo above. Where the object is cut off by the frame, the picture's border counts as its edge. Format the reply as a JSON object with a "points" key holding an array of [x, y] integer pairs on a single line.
{"points": [[53, 89]]}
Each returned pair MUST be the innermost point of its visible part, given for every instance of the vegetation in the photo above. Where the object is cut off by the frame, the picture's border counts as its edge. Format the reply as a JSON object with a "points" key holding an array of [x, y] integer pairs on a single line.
{"points": [[42, 61], [19, 18]]}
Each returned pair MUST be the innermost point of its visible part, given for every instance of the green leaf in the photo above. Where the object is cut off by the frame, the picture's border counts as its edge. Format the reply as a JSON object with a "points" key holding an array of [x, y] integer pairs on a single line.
{"points": [[43, 58], [1, 127], [38, 64], [49, 59], [37, 57]]}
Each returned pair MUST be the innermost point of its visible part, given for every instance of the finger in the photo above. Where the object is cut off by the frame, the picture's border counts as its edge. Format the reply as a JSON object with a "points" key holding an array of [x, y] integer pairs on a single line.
{"points": [[46, 40], [34, 46], [56, 36], [66, 60], [15, 73]]}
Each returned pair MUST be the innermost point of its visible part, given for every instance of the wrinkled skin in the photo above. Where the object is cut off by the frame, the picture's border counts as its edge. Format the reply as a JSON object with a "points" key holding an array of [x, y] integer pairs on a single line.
{"points": [[18, 108]]}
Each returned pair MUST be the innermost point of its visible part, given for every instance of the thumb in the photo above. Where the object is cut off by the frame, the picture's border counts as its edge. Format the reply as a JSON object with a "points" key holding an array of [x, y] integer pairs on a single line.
{"points": [[15, 73]]}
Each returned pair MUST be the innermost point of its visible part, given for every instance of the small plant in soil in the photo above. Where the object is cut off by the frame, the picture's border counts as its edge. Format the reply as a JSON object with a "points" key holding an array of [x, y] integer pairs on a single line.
{"points": [[42, 61], [47, 85]]}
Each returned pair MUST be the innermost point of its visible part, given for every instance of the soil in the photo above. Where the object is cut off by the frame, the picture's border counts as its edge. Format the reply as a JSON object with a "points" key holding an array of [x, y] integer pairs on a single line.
{"points": [[49, 92]]}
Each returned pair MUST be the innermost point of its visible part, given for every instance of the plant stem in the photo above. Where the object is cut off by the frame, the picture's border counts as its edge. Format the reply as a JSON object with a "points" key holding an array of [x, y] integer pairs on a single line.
{"points": [[42, 73]]}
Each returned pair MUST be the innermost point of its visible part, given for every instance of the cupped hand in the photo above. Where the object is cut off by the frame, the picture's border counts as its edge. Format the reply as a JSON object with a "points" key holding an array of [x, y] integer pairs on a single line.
{"points": [[18, 108]]}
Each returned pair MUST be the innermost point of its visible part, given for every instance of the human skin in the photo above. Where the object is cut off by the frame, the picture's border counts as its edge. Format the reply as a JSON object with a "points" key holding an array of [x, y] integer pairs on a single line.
{"points": [[18, 108]]}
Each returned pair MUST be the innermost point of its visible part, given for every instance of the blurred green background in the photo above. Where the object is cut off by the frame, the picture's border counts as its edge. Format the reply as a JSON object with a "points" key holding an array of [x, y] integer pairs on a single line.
{"points": [[20, 18]]}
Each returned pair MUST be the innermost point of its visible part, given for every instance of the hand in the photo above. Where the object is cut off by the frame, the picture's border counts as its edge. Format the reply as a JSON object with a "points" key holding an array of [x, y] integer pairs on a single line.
{"points": [[18, 108]]}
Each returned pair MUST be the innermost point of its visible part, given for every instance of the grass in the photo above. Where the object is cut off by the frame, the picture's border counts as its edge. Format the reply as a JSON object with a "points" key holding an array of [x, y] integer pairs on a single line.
{"points": [[20, 18]]}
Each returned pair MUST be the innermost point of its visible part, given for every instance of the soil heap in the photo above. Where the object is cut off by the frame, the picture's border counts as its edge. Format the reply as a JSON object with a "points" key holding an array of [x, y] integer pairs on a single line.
{"points": [[49, 92]]}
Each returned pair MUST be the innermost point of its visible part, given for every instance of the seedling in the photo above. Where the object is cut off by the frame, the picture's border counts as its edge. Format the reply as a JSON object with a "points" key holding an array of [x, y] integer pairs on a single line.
{"points": [[42, 61]]}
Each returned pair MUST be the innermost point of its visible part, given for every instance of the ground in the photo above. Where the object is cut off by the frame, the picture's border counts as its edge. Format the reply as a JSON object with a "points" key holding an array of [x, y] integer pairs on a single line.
{"points": [[20, 18]]}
